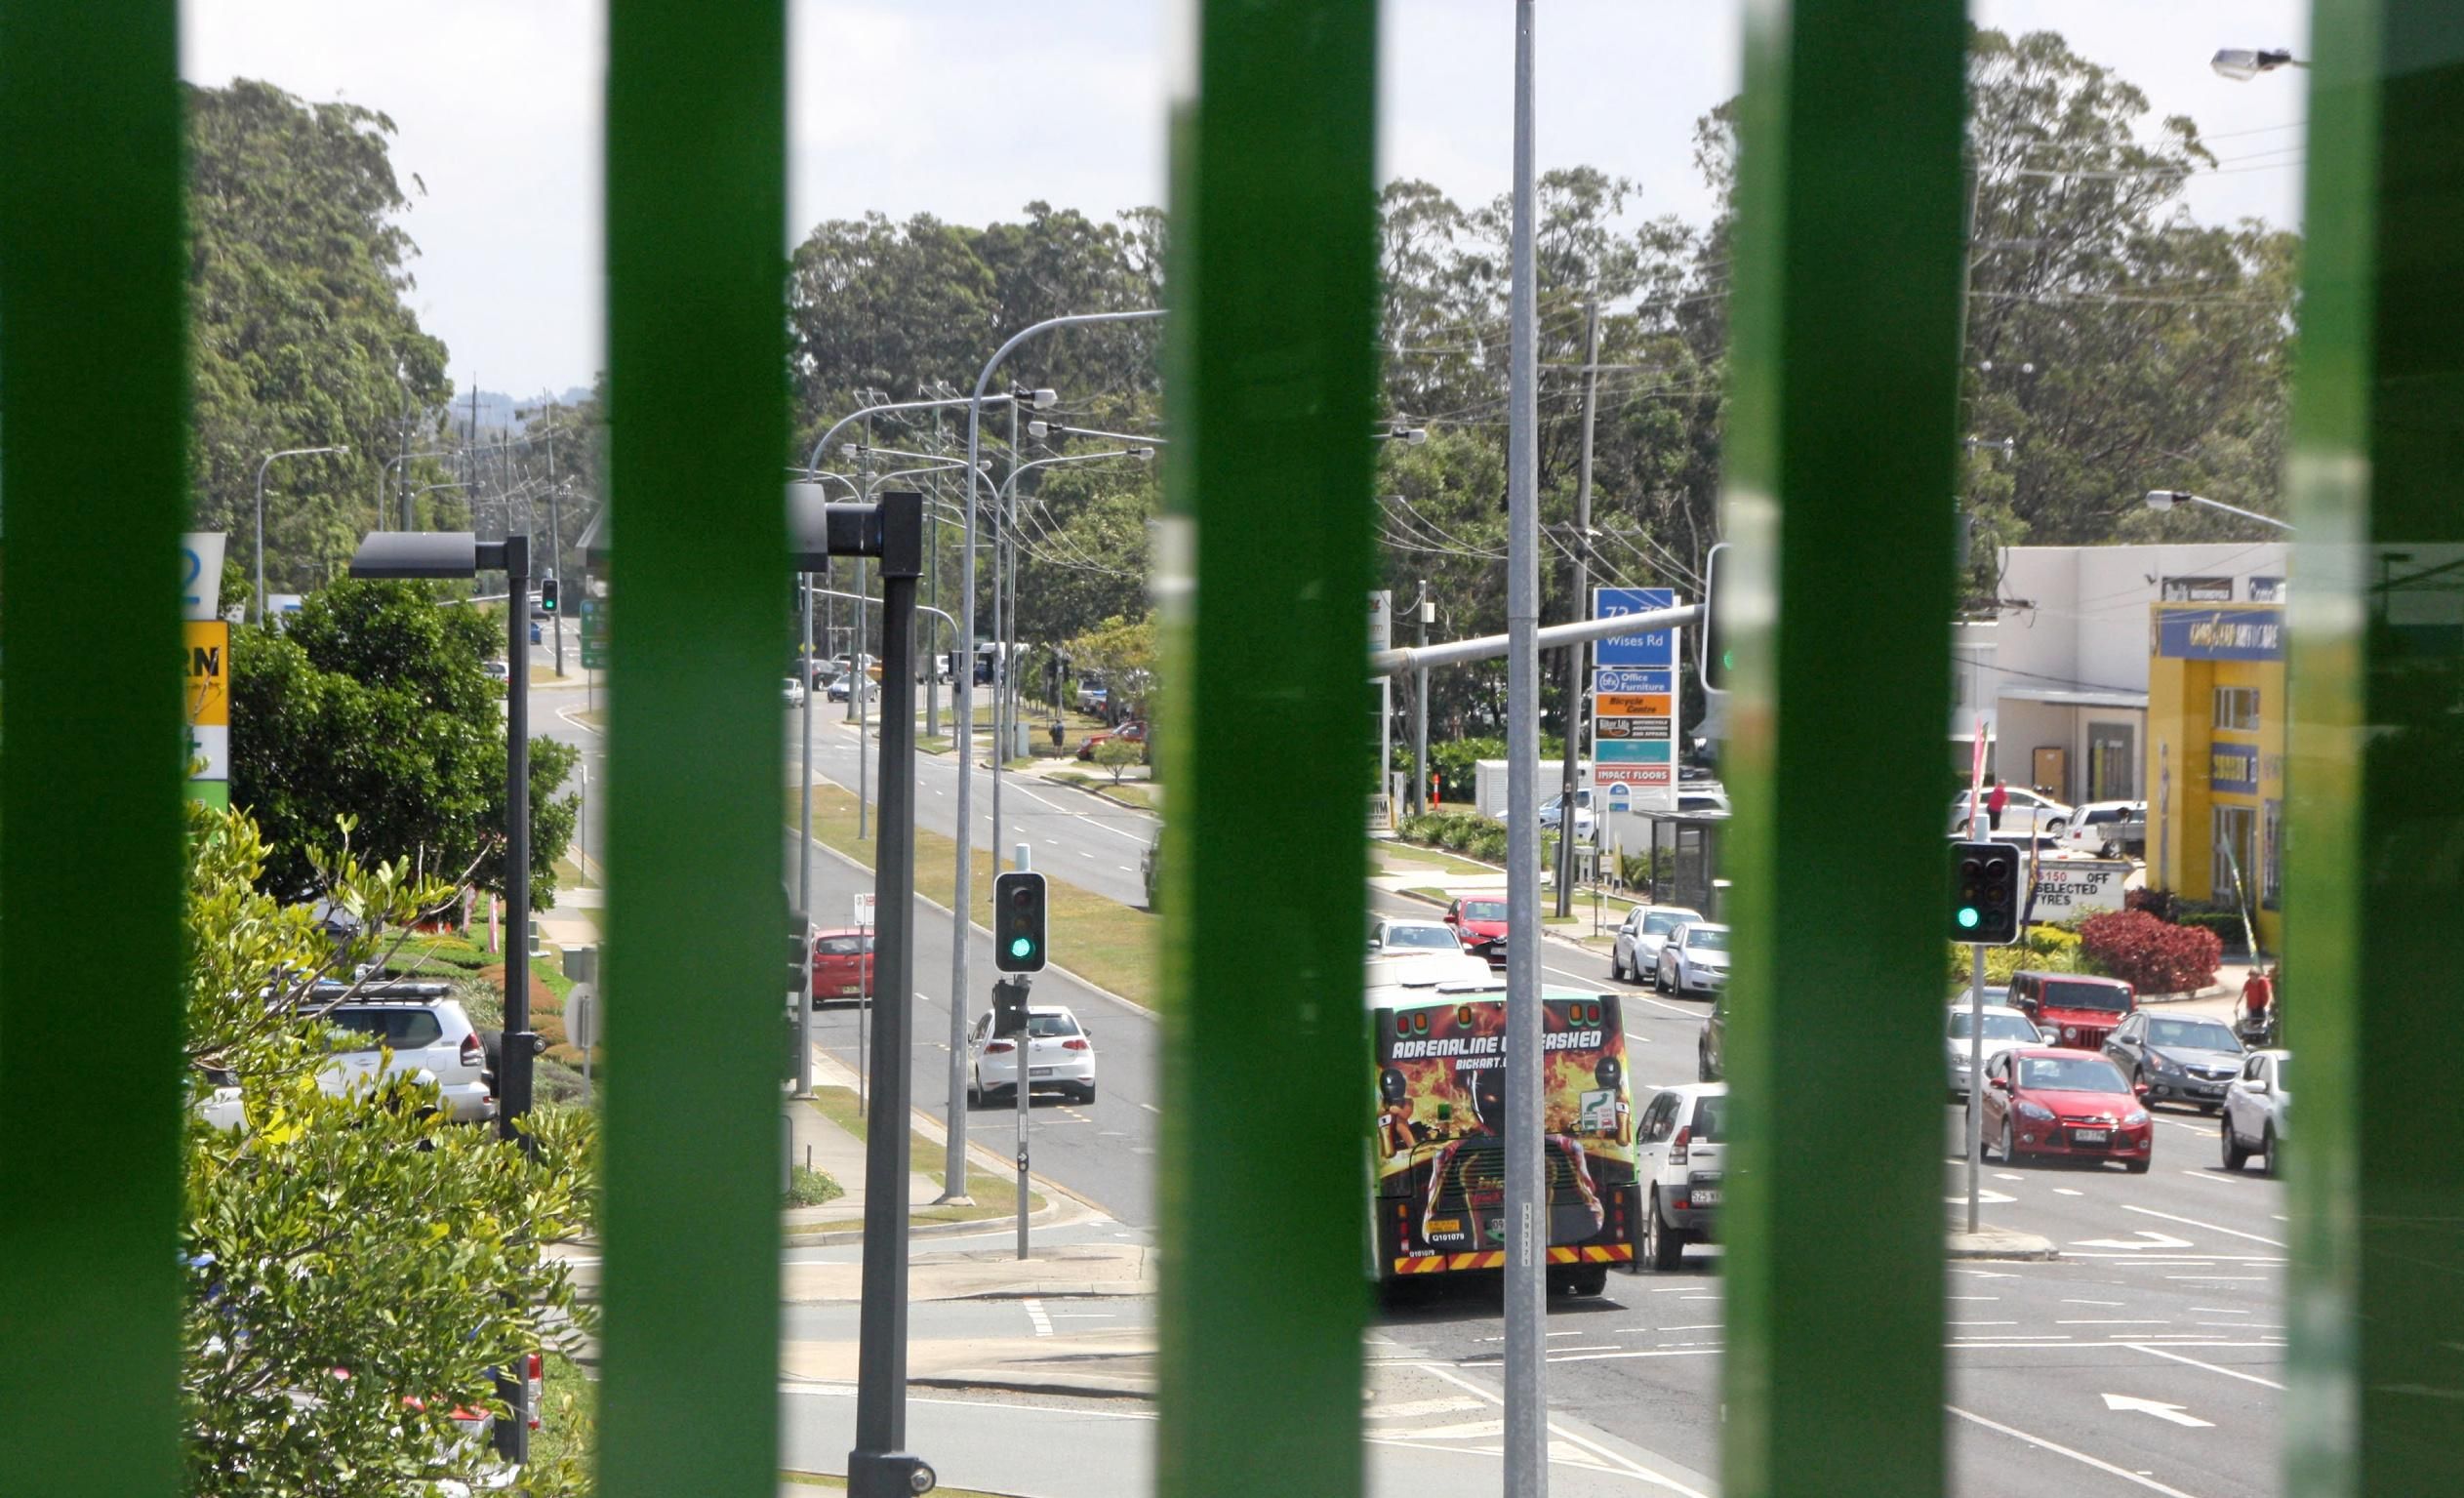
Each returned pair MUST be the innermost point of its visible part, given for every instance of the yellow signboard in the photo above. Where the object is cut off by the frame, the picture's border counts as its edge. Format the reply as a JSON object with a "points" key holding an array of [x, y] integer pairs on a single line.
{"points": [[209, 674], [1631, 704]]}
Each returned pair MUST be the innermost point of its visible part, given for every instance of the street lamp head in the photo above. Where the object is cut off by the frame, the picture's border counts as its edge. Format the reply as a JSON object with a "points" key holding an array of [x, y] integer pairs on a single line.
{"points": [[1414, 436], [1141, 453], [2244, 63], [1038, 429], [2160, 499]]}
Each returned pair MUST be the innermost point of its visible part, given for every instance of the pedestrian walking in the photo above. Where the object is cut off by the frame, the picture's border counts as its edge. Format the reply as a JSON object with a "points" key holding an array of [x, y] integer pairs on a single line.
{"points": [[1995, 800]]}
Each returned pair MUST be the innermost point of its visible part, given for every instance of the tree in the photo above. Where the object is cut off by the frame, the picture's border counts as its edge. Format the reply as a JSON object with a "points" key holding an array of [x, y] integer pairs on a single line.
{"points": [[1117, 754], [355, 1268], [371, 705], [1123, 652], [299, 335]]}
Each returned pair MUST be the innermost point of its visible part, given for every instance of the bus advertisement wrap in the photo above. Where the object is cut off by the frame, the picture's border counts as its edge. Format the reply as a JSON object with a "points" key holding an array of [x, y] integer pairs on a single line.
{"points": [[1441, 1124]]}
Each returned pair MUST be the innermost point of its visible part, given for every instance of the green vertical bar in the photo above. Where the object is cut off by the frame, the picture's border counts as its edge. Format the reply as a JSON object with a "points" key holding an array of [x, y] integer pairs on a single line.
{"points": [[696, 236], [2373, 947], [1264, 578], [93, 363], [1839, 497]]}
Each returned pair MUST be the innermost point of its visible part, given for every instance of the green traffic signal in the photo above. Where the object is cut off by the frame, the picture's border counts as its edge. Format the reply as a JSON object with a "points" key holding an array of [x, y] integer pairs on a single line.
{"points": [[1021, 947], [1967, 917]]}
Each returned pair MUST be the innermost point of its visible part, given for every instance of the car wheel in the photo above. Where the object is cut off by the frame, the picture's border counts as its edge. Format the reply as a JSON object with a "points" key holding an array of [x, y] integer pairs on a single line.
{"points": [[2054, 828], [2110, 850], [2235, 1156], [2136, 1167], [1663, 1246], [2267, 1147], [2011, 1144], [1660, 978], [1589, 1279], [1702, 1065], [1086, 1094], [1616, 966], [975, 1091]]}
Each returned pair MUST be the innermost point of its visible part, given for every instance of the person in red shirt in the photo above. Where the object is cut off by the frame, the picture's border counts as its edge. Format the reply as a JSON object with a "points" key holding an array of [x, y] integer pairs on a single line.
{"points": [[2258, 993], [1995, 800]]}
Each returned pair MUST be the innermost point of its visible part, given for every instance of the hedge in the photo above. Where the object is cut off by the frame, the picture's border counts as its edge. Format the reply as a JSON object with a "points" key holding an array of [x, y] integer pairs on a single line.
{"points": [[2152, 955]]}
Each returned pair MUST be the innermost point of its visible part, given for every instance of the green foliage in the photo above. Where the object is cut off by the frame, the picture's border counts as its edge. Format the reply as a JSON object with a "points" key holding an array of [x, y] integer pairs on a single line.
{"points": [[369, 705], [1457, 762], [1117, 754], [1122, 649], [300, 336], [355, 1232], [1458, 832], [2042, 950], [808, 1188]]}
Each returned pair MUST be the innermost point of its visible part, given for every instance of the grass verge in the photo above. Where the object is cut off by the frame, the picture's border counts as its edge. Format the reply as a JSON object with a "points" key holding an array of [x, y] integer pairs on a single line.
{"points": [[1127, 791], [568, 1414], [1110, 943], [994, 1195], [1423, 858]]}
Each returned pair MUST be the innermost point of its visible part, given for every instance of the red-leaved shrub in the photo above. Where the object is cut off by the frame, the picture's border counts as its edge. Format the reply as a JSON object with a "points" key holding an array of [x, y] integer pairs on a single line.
{"points": [[2152, 955]]}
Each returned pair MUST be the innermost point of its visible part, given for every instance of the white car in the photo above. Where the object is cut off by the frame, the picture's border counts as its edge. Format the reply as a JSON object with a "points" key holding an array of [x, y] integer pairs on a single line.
{"points": [[2106, 828], [1061, 1058], [496, 670], [1552, 812], [1396, 938], [1694, 959], [409, 1028], [1679, 1141], [2252, 1118], [1421, 952], [2005, 1028], [220, 1106], [1637, 949], [2024, 812], [791, 692]]}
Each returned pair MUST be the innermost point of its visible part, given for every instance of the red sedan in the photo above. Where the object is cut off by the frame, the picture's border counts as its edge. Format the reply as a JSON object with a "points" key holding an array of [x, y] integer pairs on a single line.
{"points": [[1481, 924], [843, 965], [1127, 733], [2068, 1105]]}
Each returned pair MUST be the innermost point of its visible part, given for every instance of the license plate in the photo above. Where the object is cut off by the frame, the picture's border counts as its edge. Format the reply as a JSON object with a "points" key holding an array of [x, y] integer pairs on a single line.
{"points": [[847, 987], [2090, 1136], [1040, 1071], [1704, 1196]]}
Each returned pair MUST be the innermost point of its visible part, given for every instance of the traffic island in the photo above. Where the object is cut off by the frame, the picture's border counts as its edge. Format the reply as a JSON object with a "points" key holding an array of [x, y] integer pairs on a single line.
{"points": [[2002, 1243]]}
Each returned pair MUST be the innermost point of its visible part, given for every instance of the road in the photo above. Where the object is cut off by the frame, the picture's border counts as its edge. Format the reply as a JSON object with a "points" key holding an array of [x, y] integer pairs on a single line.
{"points": [[2146, 1360]]}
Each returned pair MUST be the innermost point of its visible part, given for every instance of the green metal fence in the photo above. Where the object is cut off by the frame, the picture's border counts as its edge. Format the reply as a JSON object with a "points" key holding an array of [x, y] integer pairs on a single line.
{"points": [[1847, 271]]}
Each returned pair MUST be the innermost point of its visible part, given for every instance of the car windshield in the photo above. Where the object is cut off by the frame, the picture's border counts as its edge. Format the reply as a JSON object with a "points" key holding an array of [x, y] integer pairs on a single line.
{"points": [[1484, 910], [1659, 921], [1711, 1116], [2102, 996], [2068, 1074], [2192, 1035], [403, 1030], [1052, 1024], [1997, 1027], [1420, 935], [1706, 938]]}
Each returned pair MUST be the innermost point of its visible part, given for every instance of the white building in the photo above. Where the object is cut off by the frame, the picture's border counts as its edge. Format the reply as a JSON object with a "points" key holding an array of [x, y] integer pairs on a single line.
{"points": [[2062, 675]]}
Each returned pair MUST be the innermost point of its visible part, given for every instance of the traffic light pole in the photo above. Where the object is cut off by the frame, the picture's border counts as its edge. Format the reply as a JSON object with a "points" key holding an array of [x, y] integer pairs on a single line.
{"points": [[1975, 1075], [1026, 1052]]}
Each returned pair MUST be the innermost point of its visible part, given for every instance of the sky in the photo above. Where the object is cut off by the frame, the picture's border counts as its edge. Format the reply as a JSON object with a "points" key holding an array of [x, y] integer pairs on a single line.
{"points": [[969, 109]]}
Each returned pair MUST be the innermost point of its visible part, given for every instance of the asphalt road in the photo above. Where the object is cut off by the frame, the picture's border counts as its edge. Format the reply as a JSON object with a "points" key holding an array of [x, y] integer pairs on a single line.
{"points": [[2149, 1358]]}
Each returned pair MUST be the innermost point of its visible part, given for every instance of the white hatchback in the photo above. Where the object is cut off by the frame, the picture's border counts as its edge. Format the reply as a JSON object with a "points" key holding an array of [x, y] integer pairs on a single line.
{"points": [[2005, 1028], [1061, 1058], [2252, 1118]]}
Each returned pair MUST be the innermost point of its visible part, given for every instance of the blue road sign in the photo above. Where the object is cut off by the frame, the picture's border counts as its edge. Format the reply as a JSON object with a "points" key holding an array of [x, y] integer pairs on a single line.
{"points": [[1633, 681], [1648, 648]]}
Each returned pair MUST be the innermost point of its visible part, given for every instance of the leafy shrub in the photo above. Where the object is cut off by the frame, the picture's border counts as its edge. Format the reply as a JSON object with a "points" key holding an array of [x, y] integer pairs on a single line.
{"points": [[2152, 955], [812, 1188], [2227, 925], [2159, 903]]}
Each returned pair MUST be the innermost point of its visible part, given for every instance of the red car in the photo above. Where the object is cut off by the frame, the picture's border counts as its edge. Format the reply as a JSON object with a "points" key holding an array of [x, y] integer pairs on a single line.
{"points": [[2065, 1104], [2070, 1009], [843, 965], [1127, 733], [1481, 925]]}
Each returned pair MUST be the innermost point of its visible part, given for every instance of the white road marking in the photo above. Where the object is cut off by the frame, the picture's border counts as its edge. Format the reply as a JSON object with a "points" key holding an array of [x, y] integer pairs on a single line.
{"points": [[2064, 1190], [1981, 1323], [2220, 1178], [2193, 1222], [2005, 1175], [1150, 1108], [2154, 1241], [1411, 1408], [2219, 1311], [1621, 1463], [1036, 1316], [2058, 1449], [2247, 1378], [2171, 1413], [2120, 1321], [2221, 1278], [2067, 1301]]}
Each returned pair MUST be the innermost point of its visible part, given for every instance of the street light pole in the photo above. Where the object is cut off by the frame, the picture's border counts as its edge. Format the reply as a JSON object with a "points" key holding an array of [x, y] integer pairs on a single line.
{"points": [[288, 452], [1526, 1431], [2162, 500], [1570, 790]]}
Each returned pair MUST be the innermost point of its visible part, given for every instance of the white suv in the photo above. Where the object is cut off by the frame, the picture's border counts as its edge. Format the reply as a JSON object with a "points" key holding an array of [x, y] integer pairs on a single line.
{"points": [[2024, 812], [407, 1028], [1680, 1143], [2108, 829]]}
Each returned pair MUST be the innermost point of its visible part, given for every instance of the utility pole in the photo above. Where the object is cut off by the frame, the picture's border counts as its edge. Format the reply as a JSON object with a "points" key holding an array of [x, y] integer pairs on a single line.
{"points": [[555, 541], [1582, 604], [1422, 609], [1527, 1434]]}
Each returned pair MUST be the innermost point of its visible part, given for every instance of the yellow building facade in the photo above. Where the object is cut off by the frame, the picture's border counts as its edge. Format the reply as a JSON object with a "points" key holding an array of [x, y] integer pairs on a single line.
{"points": [[2215, 766]]}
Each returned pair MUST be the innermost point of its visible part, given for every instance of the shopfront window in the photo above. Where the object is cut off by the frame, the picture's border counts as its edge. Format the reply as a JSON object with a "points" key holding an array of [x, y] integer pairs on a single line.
{"points": [[2237, 707]]}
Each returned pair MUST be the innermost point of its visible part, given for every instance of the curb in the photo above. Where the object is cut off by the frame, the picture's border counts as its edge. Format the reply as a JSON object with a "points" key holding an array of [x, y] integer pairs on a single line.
{"points": [[1109, 800], [835, 1238], [2020, 1249], [1084, 1386]]}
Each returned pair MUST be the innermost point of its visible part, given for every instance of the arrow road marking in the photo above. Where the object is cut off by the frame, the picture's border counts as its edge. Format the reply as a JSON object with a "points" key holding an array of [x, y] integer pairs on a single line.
{"points": [[2173, 1413], [2145, 1240]]}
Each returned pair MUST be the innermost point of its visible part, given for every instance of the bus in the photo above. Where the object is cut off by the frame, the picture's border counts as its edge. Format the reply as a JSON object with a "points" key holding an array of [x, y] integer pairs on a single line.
{"points": [[1439, 1198]]}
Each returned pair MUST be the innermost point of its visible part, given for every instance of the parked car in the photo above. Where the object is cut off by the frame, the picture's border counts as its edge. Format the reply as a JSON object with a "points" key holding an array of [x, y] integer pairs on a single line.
{"points": [[2004, 1027], [2108, 829], [1389, 935], [1711, 1046], [1680, 1143], [1128, 733], [1481, 926], [2027, 811], [1709, 800], [1694, 959], [1638, 939], [1092, 698], [793, 692], [845, 682], [1552, 813], [842, 964], [220, 1106], [1061, 1058], [2252, 1118], [2043, 1101], [2189, 1059], [407, 1028], [496, 670], [2070, 1008]]}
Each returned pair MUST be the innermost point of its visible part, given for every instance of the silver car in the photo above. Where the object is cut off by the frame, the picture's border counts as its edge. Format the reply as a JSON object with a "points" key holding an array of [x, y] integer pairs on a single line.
{"points": [[2005, 1028], [1637, 949], [1694, 959], [2252, 1118]]}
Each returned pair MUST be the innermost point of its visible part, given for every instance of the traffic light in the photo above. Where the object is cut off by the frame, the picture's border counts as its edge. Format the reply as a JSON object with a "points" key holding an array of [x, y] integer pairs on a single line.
{"points": [[548, 594], [1716, 657], [1009, 1007], [1985, 893], [1018, 922], [799, 959]]}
